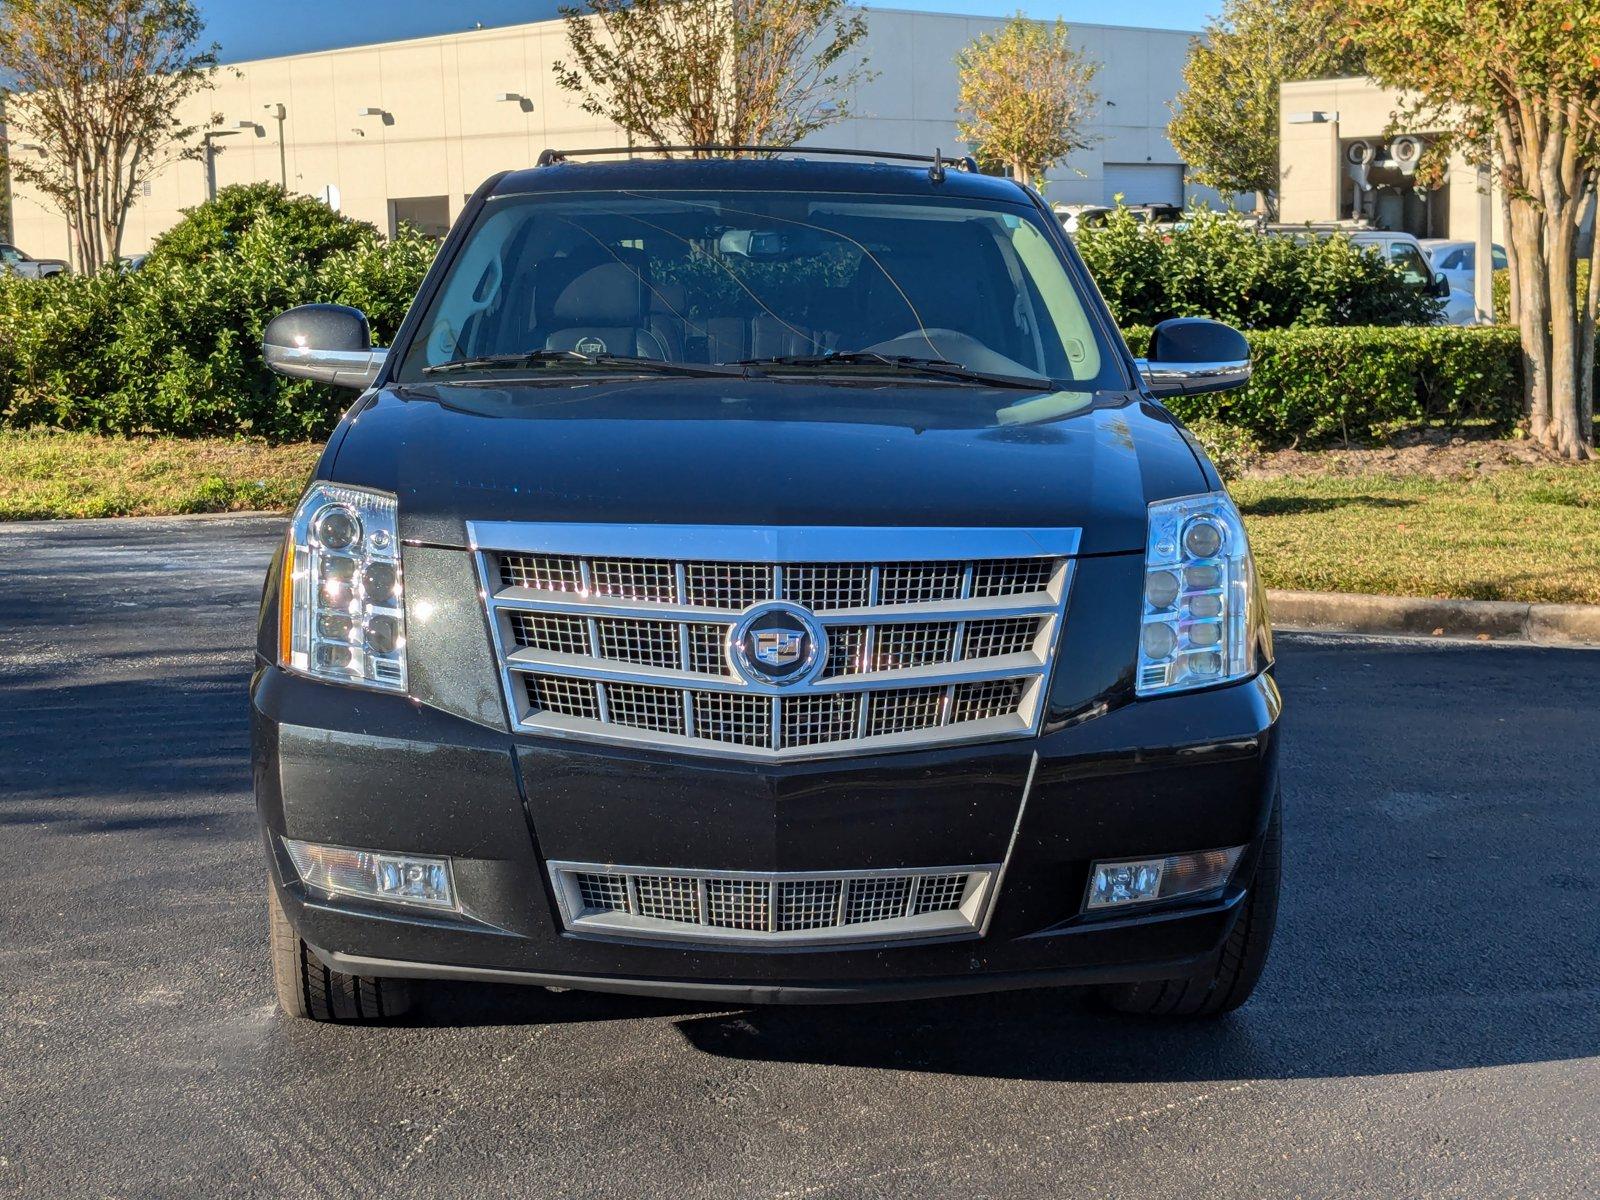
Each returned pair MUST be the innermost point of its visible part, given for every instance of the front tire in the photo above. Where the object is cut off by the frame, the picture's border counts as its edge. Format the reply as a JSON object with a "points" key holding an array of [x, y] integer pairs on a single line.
{"points": [[309, 988], [1243, 956]]}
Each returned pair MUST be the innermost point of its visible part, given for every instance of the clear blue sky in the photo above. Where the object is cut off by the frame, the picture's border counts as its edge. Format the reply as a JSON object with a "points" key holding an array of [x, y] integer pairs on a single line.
{"points": [[254, 29]]}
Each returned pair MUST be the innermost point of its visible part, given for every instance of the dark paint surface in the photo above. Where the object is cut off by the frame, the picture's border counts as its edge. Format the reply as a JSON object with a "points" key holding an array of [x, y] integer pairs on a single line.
{"points": [[761, 452]]}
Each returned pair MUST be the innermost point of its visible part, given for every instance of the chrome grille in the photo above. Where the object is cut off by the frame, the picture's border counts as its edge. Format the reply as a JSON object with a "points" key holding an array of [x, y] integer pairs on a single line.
{"points": [[609, 633], [746, 906]]}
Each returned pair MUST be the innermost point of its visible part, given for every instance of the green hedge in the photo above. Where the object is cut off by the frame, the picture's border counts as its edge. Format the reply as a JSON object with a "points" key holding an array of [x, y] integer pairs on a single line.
{"points": [[1316, 386], [1214, 266], [174, 348]]}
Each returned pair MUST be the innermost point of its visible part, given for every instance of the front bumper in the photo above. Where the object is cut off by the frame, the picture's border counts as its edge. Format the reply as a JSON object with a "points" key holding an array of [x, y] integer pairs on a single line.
{"points": [[344, 767]]}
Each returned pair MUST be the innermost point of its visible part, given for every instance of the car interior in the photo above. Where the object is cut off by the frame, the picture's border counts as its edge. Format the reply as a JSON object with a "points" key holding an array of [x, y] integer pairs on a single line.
{"points": [[713, 282]]}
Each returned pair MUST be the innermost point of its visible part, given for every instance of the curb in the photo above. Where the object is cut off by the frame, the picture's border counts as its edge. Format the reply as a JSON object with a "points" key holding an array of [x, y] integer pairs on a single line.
{"points": [[1409, 616]]}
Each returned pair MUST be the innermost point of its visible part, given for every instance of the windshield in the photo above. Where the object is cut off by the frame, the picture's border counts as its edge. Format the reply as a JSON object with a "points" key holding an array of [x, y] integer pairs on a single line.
{"points": [[582, 282]]}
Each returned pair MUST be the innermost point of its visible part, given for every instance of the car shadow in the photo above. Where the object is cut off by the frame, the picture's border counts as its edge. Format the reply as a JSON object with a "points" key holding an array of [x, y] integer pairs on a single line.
{"points": [[1291, 506]]}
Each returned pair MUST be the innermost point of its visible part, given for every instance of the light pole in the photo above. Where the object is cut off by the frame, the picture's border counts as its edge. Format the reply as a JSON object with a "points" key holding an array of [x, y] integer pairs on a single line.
{"points": [[208, 139], [279, 114]]}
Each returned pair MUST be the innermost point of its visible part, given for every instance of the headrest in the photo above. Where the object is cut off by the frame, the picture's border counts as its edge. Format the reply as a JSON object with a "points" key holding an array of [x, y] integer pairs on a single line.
{"points": [[606, 295]]}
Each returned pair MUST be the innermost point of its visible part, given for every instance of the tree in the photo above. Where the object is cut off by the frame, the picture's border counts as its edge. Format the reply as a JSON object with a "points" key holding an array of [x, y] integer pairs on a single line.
{"points": [[1518, 82], [714, 72], [1225, 120], [1024, 97], [97, 83]]}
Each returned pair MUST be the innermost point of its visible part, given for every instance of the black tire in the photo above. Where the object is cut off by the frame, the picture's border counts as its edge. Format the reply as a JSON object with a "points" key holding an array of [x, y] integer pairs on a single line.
{"points": [[1243, 957], [308, 988]]}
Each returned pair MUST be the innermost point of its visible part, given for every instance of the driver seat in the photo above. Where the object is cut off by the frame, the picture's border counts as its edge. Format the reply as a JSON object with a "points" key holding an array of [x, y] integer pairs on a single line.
{"points": [[606, 310]]}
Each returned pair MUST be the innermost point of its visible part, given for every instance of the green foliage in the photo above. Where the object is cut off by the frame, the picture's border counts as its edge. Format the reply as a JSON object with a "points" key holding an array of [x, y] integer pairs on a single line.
{"points": [[1215, 266], [1225, 121], [1318, 386], [1502, 290], [1231, 448], [307, 228], [1025, 97], [175, 348]]}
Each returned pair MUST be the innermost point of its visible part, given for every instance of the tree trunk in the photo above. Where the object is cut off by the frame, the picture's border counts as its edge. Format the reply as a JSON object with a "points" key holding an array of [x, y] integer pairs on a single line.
{"points": [[1561, 245], [1533, 316], [1513, 296], [1586, 370]]}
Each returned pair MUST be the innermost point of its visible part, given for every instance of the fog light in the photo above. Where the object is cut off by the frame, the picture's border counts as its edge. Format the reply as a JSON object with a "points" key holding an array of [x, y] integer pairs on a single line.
{"points": [[1139, 881], [391, 878]]}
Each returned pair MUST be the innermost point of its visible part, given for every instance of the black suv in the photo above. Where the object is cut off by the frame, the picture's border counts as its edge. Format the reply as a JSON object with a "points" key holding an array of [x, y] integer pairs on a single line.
{"points": [[764, 580]]}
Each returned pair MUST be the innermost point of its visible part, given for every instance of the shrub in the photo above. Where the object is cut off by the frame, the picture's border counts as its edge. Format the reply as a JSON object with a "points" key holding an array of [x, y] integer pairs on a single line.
{"points": [[1214, 266], [175, 347], [1322, 385]]}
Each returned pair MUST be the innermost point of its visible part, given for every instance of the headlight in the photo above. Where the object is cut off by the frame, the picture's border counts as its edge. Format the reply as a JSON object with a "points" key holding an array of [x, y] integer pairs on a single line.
{"points": [[1199, 597], [343, 606]]}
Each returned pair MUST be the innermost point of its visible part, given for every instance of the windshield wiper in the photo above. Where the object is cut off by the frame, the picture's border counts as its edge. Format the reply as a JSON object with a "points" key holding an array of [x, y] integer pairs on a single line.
{"points": [[938, 367], [573, 358]]}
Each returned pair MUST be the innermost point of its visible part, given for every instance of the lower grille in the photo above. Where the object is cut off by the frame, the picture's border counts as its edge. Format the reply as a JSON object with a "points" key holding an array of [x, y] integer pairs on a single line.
{"points": [[686, 905]]}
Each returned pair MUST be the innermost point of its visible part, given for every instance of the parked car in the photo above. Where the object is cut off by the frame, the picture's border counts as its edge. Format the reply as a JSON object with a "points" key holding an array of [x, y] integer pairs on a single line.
{"points": [[764, 581], [1074, 217], [1405, 252], [1456, 261], [15, 262]]}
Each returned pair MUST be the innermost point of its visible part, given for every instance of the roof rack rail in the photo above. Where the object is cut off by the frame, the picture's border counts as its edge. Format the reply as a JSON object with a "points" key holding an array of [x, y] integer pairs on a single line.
{"points": [[937, 161]]}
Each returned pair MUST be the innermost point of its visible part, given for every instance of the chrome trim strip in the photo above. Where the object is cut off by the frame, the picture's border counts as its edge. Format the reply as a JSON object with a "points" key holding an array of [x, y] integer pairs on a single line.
{"points": [[565, 604], [342, 368], [611, 670], [1011, 846], [772, 544]]}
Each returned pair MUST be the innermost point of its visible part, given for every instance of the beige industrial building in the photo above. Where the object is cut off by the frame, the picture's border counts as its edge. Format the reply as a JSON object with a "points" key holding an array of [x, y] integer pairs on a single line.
{"points": [[405, 131], [1341, 159]]}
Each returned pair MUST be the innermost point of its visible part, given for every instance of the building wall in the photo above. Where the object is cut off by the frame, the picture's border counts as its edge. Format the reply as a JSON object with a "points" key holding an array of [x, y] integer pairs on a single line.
{"points": [[445, 131], [1311, 159]]}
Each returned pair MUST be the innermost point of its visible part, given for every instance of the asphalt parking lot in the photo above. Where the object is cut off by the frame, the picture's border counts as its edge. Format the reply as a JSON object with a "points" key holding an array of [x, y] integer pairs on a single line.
{"points": [[1429, 1024]]}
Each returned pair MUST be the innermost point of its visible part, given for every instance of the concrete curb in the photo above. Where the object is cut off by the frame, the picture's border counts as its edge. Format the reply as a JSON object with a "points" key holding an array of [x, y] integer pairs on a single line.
{"points": [[1410, 616]]}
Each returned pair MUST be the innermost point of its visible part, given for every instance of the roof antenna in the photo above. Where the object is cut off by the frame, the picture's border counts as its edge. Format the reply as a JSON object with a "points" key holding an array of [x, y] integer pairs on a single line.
{"points": [[936, 172]]}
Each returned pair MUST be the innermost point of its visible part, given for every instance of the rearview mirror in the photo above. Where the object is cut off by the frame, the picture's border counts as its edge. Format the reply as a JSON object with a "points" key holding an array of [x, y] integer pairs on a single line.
{"points": [[1193, 355], [326, 342]]}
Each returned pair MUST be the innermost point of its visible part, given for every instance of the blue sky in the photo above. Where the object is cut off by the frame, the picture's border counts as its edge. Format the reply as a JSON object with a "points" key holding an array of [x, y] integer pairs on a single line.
{"points": [[251, 29]]}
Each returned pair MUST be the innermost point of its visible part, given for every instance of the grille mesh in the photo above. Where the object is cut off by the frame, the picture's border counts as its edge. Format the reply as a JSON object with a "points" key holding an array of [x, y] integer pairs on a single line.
{"points": [[541, 572], [876, 899], [550, 631], [668, 897], [566, 697], [733, 718], [727, 585], [980, 701], [899, 647], [818, 720], [992, 639], [737, 903], [905, 709], [1011, 576], [827, 587], [642, 579], [606, 893], [808, 903], [659, 709], [763, 905], [649, 643]]}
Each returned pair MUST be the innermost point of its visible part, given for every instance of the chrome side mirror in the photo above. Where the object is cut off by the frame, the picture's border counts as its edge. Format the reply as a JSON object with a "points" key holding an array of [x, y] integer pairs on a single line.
{"points": [[1193, 355], [326, 342]]}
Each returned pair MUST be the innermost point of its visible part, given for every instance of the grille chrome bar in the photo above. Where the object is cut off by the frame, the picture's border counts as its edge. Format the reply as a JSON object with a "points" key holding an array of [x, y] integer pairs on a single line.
{"points": [[784, 908], [621, 635]]}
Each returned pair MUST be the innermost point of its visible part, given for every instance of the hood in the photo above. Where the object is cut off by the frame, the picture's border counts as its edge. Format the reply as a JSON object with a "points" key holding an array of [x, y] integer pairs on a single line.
{"points": [[698, 451]]}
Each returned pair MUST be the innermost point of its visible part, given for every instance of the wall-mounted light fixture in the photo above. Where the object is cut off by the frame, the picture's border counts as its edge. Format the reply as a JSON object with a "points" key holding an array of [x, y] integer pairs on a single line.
{"points": [[373, 111], [279, 113], [517, 98], [1312, 118], [34, 147], [259, 130]]}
